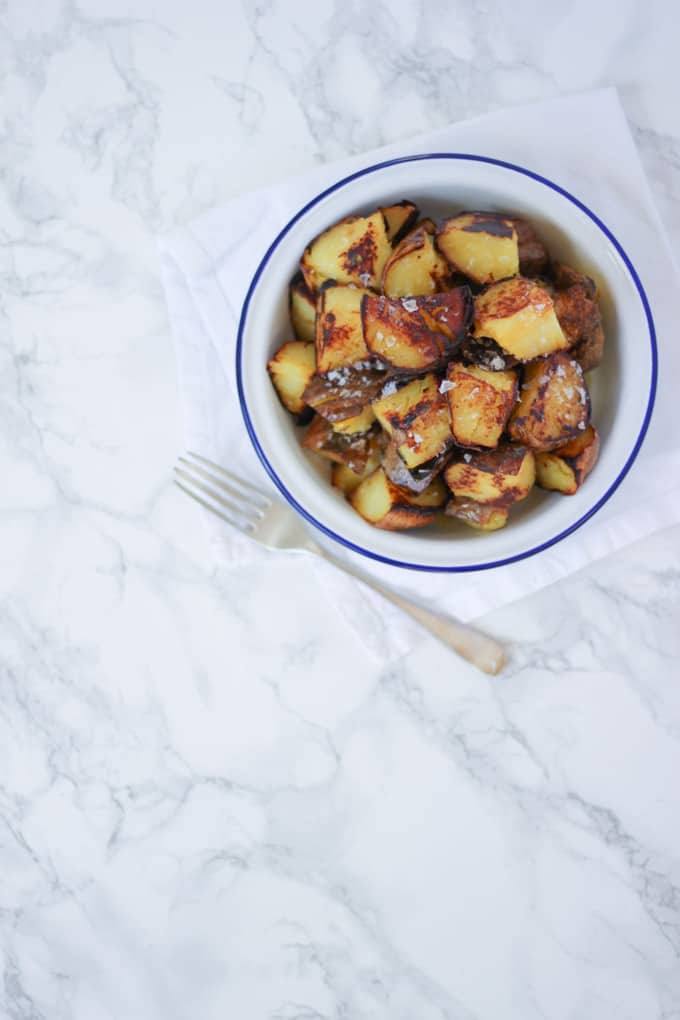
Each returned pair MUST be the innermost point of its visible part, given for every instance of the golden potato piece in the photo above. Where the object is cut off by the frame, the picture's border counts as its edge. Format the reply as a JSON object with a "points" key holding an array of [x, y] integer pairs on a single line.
{"points": [[480, 402], [399, 219], [520, 316], [501, 476], [554, 403], [565, 469], [353, 450], [360, 422], [347, 480], [482, 516], [418, 333], [302, 309], [339, 331], [354, 250], [417, 416], [415, 267], [386, 506], [290, 370], [482, 245]]}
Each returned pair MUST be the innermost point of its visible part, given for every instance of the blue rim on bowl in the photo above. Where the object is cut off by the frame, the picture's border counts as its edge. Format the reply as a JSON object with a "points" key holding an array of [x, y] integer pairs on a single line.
{"points": [[419, 566]]}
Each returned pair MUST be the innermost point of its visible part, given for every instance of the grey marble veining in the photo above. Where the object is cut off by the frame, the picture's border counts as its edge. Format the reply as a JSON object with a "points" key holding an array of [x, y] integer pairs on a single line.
{"points": [[213, 801]]}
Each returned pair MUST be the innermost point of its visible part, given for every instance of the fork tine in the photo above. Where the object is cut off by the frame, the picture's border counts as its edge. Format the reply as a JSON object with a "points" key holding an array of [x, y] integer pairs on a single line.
{"points": [[213, 509], [241, 498], [251, 515], [232, 478]]}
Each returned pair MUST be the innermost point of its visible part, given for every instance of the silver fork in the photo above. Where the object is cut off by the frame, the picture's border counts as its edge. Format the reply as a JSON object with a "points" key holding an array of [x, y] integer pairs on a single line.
{"points": [[277, 526]]}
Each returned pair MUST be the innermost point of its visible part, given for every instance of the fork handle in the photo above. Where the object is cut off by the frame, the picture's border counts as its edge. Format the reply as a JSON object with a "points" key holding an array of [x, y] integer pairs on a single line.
{"points": [[476, 648]]}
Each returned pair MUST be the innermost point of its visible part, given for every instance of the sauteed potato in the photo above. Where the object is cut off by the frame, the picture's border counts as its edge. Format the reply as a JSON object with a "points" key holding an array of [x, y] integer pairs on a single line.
{"points": [[442, 365]]}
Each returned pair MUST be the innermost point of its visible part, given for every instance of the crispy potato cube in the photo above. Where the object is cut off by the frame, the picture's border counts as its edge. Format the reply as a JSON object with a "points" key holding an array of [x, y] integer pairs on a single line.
{"points": [[579, 316], [482, 245], [533, 255], [416, 479], [344, 392], [290, 370], [589, 351], [418, 333], [500, 476], [565, 469], [352, 450], [415, 267], [399, 219], [482, 516], [339, 331], [302, 309], [354, 250], [360, 422], [386, 506], [480, 403], [554, 404], [520, 316], [418, 416], [347, 480]]}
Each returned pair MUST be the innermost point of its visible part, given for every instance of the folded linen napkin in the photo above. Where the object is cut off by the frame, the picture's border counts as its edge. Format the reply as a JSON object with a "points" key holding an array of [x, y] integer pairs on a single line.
{"points": [[583, 143]]}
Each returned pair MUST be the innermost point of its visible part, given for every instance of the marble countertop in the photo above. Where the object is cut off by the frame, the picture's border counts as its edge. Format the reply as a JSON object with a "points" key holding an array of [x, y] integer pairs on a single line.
{"points": [[195, 822]]}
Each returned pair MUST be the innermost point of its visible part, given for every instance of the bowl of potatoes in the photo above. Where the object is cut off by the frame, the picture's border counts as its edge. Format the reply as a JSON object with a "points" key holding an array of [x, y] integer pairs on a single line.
{"points": [[446, 362]]}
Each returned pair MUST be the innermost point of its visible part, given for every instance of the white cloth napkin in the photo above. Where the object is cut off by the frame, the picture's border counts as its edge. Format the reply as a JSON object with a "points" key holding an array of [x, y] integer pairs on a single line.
{"points": [[583, 143]]}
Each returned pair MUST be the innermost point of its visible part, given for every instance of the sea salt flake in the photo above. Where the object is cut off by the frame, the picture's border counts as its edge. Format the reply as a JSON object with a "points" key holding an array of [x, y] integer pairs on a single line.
{"points": [[467, 457], [445, 385], [417, 438], [410, 304], [365, 278], [497, 363], [581, 425], [389, 388], [378, 335]]}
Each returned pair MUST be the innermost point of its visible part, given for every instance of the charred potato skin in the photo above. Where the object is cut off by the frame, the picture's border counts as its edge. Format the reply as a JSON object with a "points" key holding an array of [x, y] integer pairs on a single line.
{"points": [[400, 219], [566, 468], [344, 392], [416, 479], [533, 255], [554, 404], [416, 334], [579, 315], [480, 403], [352, 451], [347, 480], [481, 516], [481, 245], [499, 477]]}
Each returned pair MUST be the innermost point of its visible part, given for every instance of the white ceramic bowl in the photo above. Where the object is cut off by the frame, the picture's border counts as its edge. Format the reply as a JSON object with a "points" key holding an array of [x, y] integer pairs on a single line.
{"points": [[622, 388]]}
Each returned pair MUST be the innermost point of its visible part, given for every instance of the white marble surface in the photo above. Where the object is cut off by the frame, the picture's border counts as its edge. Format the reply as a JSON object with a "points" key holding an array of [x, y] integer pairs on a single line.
{"points": [[213, 802]]}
